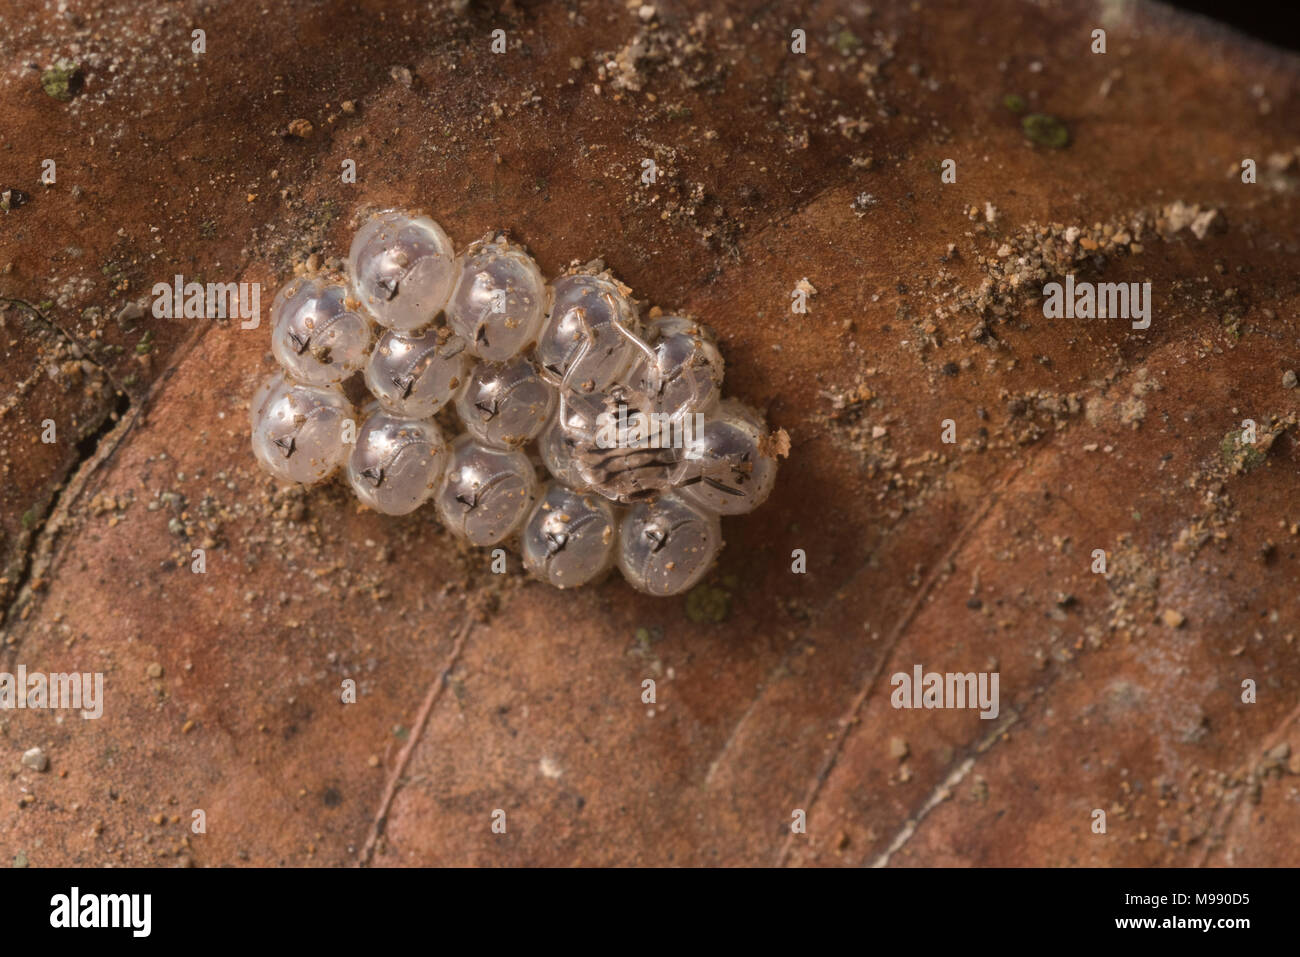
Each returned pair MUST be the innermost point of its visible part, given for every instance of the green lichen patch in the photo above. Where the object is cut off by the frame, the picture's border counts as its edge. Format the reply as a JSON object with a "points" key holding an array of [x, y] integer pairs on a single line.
{"points": [[1043, 129], [846, 41], [62, 79], [708, 604], [1242, 456], [1015, 103], [644, 639]]}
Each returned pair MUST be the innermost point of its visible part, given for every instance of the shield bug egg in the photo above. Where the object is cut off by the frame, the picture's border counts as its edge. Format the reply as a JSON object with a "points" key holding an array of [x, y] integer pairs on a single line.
{"points": [[684, 376], [396, 462], [569, 538], [416, 374], [556, 449], [499, 300], [584, 343], [666, 546], [317, 335], [505, 404], [728, 471], [298, 430], [485, 493], [401, 266], [620, 416]]}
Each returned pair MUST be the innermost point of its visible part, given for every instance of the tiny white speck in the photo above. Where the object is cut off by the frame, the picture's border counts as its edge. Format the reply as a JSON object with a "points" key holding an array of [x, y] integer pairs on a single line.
{"points": [[549, 768]]}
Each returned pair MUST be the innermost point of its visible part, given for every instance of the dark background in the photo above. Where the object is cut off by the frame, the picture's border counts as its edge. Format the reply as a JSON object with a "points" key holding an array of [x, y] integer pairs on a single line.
{"points": [[1277, 23]]}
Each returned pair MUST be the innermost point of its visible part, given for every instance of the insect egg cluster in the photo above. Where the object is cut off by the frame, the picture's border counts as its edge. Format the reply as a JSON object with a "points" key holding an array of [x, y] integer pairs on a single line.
{"points": [[638, 451]]}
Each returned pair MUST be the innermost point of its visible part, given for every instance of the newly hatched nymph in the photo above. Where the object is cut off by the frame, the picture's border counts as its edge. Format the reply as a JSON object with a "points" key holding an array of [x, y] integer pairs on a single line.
{"points": [[625, 466], [615, 448]]}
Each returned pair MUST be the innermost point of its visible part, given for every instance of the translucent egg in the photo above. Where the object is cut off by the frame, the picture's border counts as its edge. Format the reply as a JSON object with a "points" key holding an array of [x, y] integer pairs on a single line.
{"points": [[486, 493], [505, 404], [556, 449], [499, 301], [569, 538], [583, 343], [728, 472], [401, 266], [396, 462], [666, 546], [298, 429], [685, 374], [415, 374], [317, 335]]}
